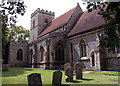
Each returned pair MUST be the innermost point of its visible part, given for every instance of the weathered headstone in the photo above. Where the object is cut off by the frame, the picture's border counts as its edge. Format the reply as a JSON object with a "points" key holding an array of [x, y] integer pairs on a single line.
{"points": [[57, 78], [66, 65], [34, 79], [69, 73], [78, 70]]}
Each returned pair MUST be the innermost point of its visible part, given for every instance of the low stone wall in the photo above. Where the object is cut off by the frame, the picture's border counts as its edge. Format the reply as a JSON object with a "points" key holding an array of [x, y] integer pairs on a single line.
{"points": [[113, 63]]}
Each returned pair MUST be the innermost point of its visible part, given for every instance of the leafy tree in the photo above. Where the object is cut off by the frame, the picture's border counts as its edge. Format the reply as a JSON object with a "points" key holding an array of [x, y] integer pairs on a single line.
{"points": [[110, 12], [18, 34], [9, 9]]}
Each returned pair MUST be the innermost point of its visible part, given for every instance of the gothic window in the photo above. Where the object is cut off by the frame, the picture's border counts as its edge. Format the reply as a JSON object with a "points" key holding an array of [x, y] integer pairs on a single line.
{"points": [[31, 55], [59, 52], [33, 23], [93, 60], [83, 52], [48, 53], [41, 53], [71, 50], [20, 54]]}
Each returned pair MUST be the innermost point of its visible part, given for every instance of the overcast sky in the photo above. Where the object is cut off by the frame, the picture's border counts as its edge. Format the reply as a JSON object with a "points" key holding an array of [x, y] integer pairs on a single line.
{"points": [[57, 6]]}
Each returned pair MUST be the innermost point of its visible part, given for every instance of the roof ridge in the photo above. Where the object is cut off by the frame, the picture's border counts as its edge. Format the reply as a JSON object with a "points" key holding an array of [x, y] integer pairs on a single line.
{"points": [[65, 13], [68, 13]]}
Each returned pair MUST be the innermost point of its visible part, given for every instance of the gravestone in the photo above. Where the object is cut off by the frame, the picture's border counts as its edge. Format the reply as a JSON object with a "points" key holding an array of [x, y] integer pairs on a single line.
{"points": [[57, 78], [69, 73], [34, 79], [66, 65], [78, 70]]}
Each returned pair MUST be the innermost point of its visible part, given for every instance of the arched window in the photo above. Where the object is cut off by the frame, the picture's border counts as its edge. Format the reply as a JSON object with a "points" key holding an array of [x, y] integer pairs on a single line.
{"points": [[48, 53], [31, 55], [41, 53], [59, 52], [20, 54], [83, 52], [93, 59], [71, 50], [33, 23]]}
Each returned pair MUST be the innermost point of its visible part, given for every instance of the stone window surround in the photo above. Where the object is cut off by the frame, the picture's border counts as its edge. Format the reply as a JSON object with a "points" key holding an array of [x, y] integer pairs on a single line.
{"points": [[18, 51], [41, 51], [84, 57], [33, 23]]}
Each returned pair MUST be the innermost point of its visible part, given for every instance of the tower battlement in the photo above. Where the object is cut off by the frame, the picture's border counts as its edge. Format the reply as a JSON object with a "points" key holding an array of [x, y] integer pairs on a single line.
{"points": [[42, 11]]}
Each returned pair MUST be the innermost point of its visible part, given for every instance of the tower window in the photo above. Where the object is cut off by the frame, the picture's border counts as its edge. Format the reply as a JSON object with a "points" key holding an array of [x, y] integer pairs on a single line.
{"points": [[33, 23], [46, 20]]}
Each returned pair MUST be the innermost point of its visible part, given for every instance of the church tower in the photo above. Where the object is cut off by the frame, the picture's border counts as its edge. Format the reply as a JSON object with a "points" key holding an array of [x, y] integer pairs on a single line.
{"points": [[39, 19]]}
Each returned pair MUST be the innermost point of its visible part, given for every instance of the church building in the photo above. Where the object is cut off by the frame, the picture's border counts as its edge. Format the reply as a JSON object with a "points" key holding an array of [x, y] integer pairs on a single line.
{"points": [[72, 37]]}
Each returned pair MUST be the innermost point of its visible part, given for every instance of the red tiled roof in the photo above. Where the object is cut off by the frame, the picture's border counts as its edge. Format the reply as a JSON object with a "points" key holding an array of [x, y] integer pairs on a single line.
{"points": [[86, 22], [55, 23]]}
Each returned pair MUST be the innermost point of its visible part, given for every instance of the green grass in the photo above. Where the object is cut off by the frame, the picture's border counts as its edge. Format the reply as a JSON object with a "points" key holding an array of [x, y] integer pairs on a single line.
{"points": [[19, 76], [111, 73]]}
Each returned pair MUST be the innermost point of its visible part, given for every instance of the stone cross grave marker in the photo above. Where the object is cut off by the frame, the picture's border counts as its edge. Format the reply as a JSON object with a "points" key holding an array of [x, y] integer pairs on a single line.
{"points": [[57, 78], [78, 70], [34, 79]]}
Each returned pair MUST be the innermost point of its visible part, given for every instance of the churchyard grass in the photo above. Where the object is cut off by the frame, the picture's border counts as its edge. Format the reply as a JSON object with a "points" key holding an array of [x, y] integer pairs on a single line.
{"points": [[111, 73], [19, 76]]}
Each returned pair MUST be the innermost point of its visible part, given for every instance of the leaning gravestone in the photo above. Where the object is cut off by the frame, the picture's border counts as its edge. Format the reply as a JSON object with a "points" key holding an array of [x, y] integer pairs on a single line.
{"points": [[66, 65], [78, 70], [69, 73], [57, 78], [34, 79]]}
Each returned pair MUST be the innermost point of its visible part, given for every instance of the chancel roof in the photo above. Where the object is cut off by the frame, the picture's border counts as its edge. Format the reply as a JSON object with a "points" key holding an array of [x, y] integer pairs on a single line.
{"points": [[87, 21], [56, 23]]}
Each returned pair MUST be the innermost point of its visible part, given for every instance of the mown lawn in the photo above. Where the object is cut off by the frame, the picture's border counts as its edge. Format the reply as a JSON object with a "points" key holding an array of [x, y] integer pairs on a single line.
{"points": [[19, 76]]}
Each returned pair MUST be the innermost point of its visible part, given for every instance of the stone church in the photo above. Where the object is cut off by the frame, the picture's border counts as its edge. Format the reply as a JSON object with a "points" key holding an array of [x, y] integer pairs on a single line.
{"points": [[72, 37]]}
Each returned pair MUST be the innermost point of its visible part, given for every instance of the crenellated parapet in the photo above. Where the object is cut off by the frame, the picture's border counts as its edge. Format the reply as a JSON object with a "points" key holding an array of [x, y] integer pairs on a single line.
{"points": [[42, 11]]}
